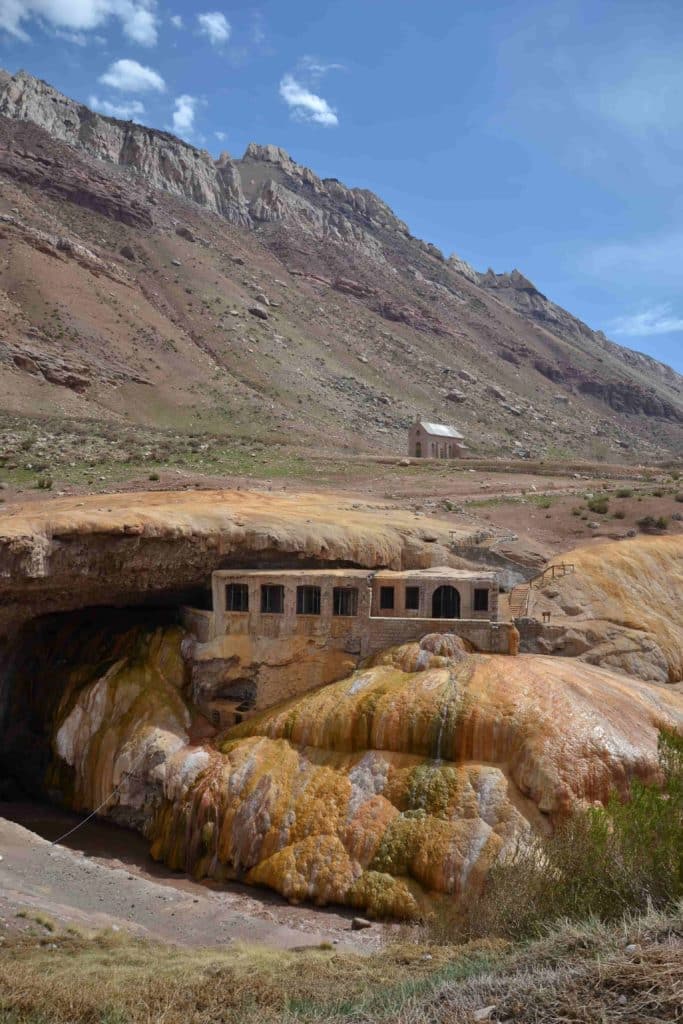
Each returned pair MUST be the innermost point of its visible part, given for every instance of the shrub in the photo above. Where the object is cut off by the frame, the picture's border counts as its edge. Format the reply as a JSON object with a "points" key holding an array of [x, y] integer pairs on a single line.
{"points": [[153, 476], [544, 501], [658, 492], [604, 862], [619, 514], [599, 505], [648, 524], [679, 497], [624, 492], [44, 483]]}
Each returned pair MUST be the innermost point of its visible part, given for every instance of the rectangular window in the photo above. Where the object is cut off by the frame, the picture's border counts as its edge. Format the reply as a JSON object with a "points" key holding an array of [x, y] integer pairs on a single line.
{"points": [[386, 597], [272, 598], [237, 597], [481, 600], [412, 599], [345, 601], [308, 600]]}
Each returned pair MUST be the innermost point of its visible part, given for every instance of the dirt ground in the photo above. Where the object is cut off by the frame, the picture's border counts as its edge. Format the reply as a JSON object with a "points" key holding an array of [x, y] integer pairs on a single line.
{"points": [[536, 511], [102, 877]]}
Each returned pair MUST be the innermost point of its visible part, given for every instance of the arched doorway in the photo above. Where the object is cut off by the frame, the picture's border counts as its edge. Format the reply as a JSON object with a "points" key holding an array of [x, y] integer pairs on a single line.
{"points": [[418, 449], [446, 603]]}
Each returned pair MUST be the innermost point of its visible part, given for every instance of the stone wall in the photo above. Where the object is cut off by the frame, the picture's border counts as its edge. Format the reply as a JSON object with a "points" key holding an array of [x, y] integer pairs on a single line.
{"points": [[490, 637]]}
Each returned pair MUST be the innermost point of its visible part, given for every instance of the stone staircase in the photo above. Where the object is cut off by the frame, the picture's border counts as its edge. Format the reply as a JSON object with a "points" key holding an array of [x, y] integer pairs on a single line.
{"points": [[520, 596]]}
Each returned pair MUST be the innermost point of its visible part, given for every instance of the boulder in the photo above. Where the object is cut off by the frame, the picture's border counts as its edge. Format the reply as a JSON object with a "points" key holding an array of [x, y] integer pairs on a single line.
{"points": [[259, 311]]}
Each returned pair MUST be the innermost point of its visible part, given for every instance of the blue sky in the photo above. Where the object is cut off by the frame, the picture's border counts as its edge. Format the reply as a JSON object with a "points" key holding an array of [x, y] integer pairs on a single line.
{"points": [[543, 135]]}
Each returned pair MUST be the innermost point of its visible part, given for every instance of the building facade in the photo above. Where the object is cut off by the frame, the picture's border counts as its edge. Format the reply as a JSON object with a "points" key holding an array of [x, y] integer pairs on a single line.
{"points": [[435, 441], [273, 635]]}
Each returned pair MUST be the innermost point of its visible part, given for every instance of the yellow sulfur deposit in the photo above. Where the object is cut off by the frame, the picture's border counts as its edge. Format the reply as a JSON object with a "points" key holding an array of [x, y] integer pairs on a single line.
{"points": [[403, 780]]}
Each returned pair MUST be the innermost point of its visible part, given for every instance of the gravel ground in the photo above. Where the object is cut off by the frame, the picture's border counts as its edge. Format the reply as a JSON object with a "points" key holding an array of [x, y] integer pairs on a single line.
{"points": [[95, 892]]}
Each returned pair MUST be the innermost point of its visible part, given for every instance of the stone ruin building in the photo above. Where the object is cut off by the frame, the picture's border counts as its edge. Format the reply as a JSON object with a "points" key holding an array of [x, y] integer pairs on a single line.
{"points": [[275, 634]]}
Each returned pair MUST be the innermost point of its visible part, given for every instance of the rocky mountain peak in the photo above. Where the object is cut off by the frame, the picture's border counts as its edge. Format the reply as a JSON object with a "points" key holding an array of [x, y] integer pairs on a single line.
{"points": [[514, 279], [164, 161], [463, 267]]}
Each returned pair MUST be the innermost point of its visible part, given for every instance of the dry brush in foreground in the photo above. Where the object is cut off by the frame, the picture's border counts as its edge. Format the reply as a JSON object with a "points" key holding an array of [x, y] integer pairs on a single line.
{"points": [[625, 973]]}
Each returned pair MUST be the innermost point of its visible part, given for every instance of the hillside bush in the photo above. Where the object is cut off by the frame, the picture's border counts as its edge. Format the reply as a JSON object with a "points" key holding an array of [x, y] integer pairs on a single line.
{"points": [[598, 505], [648, 524], [603, 862], [624, 492]]}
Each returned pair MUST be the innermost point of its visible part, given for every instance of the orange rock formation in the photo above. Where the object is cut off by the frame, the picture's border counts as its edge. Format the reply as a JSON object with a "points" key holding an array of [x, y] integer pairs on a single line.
{"points": [[402, 781]]}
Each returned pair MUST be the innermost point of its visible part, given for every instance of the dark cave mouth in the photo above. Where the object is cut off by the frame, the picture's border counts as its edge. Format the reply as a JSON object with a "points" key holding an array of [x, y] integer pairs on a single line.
{"points": [[36, 660], [36, 666]]}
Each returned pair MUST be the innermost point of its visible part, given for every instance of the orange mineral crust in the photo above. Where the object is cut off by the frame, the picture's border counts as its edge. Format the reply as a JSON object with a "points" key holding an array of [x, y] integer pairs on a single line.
{"points": [[402, 781]]}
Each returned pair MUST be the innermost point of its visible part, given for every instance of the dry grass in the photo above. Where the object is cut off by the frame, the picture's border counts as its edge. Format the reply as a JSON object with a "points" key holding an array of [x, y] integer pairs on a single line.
{"points": [[626, 973]]}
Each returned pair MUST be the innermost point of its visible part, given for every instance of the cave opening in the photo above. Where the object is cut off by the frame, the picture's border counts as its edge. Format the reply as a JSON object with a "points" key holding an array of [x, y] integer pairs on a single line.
{"points": [[37, 658], [36, 665]]}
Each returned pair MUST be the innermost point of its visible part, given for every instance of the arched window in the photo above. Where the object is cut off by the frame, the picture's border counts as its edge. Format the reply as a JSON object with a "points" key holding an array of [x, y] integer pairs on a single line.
{"points": [[446, 603]]}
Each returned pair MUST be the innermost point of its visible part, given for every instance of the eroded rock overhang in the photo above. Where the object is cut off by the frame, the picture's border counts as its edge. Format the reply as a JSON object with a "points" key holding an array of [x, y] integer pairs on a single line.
{"points": [[66, 554]]}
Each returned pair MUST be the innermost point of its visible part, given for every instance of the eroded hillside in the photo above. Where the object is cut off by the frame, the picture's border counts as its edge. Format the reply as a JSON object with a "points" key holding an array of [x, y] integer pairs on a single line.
{"points": [[143, 283]]}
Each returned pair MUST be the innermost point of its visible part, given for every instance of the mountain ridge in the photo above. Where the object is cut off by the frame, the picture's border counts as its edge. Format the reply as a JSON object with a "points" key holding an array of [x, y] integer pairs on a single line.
{"points": [[380, 325]]}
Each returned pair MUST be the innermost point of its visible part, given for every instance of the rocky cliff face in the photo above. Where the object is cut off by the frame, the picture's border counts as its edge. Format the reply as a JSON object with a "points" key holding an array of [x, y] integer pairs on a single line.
{"points": [[162, 160], [622, 393]]}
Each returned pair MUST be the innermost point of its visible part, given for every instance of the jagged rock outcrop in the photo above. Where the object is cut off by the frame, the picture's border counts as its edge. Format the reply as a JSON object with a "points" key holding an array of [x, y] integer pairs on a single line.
{"points": [[163, 160], [622, 395], [463, 267], [280, 189], [60, 174]]}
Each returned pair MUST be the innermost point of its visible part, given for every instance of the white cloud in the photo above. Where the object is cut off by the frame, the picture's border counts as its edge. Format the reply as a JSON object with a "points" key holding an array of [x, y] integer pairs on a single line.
{"points": [[129, 76], [653, 262], [258, 28], [316, 68], [657, 320], [221, 136], [140, 25], [176, 21], [130, 111], [215, 26], [136, 17], [183, 114], [305, 105], [645, 100], [77, 38]]}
